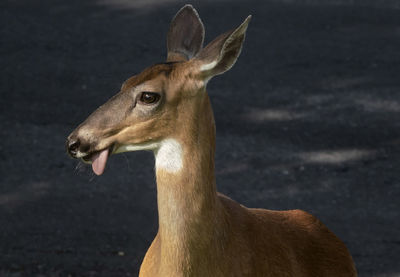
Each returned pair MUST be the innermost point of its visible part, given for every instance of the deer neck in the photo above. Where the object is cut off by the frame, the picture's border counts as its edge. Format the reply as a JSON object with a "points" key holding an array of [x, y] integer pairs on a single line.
{"points": [[188, 206]]}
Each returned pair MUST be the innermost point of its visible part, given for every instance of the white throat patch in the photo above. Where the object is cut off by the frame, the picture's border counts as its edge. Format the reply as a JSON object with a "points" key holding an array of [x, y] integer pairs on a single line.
{"points": [[168, 153], [169, 156]]}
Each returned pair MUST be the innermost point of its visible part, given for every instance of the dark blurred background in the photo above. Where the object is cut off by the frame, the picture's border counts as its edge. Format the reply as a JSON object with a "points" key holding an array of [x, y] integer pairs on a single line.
{"points": [[308, 118]]}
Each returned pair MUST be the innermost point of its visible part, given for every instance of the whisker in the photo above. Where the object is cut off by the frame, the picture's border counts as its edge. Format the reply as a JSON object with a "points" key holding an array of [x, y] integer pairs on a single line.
{"points": [[92, 176], [127, 161], [80, 167], [83, 169]]}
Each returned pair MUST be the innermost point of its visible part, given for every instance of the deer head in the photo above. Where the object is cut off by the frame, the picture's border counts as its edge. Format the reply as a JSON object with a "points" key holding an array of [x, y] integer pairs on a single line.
{"points": [[155, 105]]}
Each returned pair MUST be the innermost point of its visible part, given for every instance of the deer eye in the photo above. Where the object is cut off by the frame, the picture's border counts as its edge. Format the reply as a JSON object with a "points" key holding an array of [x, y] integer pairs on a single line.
{"points": [[149, 97]]}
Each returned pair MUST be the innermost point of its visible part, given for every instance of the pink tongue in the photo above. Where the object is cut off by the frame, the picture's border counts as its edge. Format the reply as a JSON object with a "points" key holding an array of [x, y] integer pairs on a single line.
{"points": [[99, 162]]}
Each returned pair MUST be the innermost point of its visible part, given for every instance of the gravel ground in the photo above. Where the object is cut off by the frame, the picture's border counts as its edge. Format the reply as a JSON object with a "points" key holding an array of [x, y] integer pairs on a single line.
{"points": [[308, 118]]}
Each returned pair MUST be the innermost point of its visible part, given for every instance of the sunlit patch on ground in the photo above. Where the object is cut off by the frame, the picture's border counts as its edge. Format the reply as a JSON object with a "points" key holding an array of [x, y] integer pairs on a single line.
{"points": [[233, 168], [260, 115], [336, 156], [377, 105], [342, 83], [30, 192]]}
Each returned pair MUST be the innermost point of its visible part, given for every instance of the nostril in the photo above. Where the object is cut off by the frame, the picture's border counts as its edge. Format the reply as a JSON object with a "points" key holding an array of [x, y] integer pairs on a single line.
{"points": [[73, 146], [85, 148]]}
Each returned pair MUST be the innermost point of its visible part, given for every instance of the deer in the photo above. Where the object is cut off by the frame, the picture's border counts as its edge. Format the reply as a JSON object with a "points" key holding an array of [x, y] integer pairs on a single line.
{"points": [[166, 109]]}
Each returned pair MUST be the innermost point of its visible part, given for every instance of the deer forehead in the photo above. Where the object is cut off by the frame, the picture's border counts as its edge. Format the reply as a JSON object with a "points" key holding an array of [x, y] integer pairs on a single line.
{"points": [[175, 78], [155, 72]]}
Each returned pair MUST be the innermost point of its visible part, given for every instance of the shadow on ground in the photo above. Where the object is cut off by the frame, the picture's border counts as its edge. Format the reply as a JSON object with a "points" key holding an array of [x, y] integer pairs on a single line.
{"points": [[308, 118]]}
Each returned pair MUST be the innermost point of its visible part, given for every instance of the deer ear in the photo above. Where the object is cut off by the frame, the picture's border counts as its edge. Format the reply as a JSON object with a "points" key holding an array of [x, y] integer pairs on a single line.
{"points": [[221, 54], [185, 36]]}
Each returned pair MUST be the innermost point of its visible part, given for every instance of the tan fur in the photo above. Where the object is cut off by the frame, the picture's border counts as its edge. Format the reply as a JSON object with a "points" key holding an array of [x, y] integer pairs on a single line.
{"points": [[203, 233], [222, 238]]}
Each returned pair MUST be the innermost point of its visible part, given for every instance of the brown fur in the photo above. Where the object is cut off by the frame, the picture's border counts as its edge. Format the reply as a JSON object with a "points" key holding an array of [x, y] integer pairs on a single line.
{"points": [[203, 233], [223, 238]]}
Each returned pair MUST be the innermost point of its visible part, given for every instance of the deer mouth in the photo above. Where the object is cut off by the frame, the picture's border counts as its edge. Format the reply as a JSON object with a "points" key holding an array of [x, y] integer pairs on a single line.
{"points": [[98, 159]]}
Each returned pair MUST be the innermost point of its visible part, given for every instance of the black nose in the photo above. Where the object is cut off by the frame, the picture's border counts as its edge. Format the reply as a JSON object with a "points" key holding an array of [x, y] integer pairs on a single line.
{"points": [[73, 146]]}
